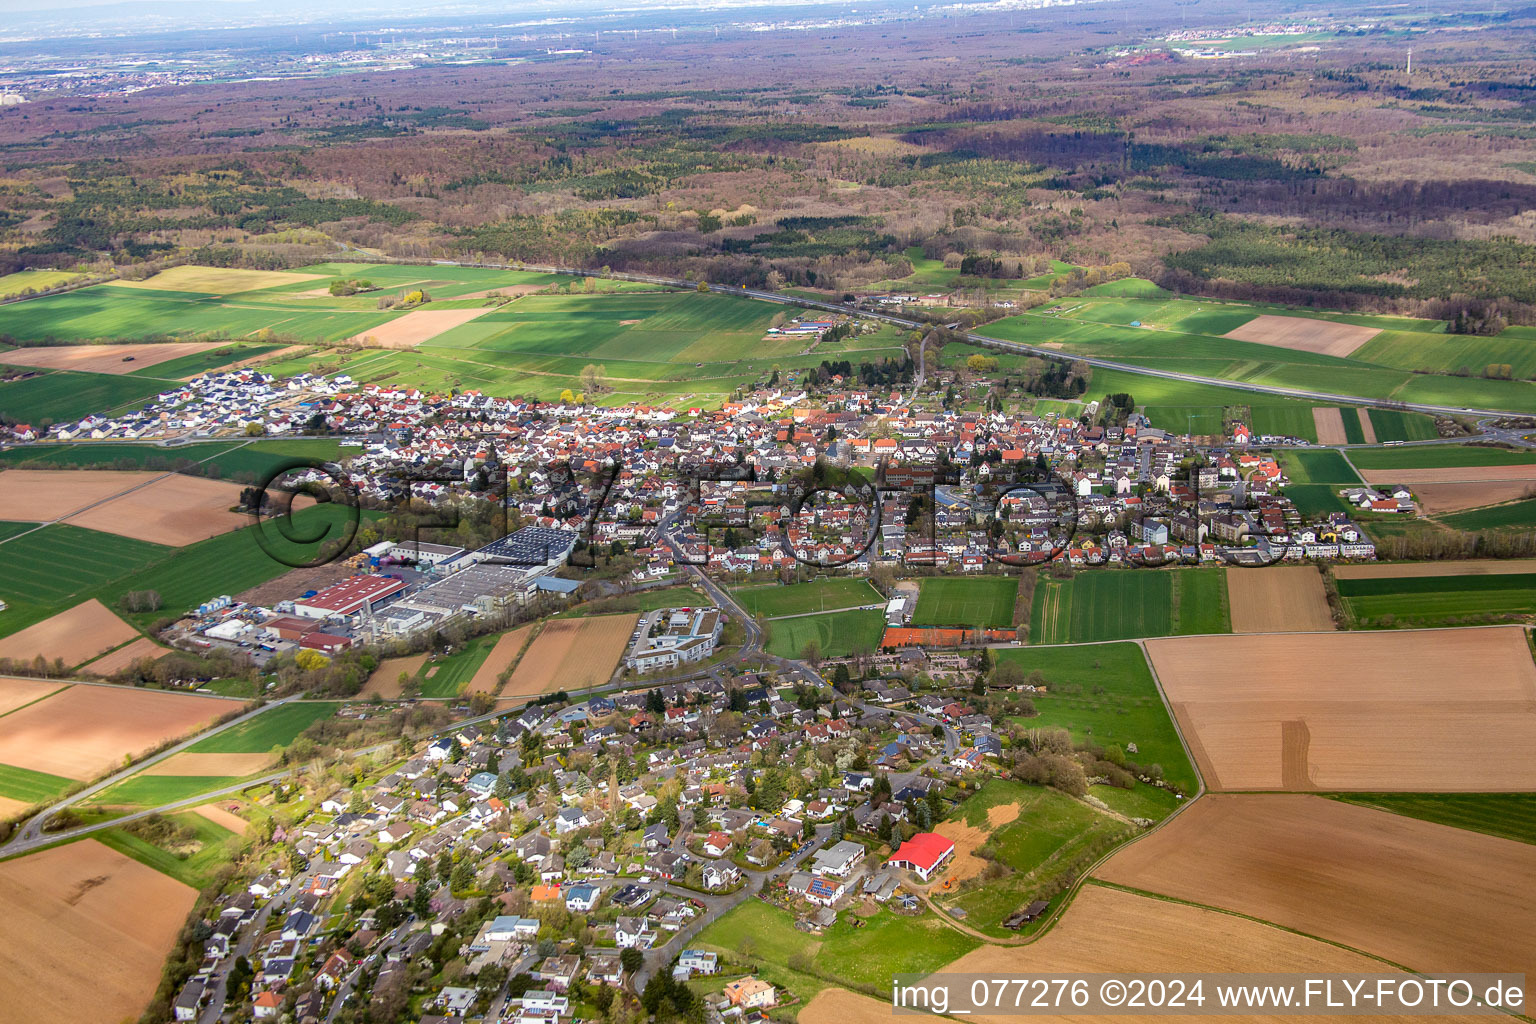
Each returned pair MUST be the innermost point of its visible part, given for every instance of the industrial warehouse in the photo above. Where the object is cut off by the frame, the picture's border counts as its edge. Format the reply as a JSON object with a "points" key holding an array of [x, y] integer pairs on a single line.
{"points": [[398, 590]]}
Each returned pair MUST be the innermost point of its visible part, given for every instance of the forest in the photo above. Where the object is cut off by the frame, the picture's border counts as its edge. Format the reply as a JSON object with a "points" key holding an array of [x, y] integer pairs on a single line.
{"points": [[1319, 175]]}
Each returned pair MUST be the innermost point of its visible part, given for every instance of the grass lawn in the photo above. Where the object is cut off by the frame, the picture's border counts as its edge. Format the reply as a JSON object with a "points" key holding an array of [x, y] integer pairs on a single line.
{"points": [[1104, 694], [1437, 456], [1507, 815], [454, 672], [1124, 604], [862, 958], [32, 786], [276, 727], [831, 594], [1314, 501], [1052, 834], [216, 846], [1424, 600], [978, 601], [838, 634]]}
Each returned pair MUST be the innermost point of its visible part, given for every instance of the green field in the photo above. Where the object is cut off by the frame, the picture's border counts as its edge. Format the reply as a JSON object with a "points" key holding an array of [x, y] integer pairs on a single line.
{"points": [[838, 634], [1424, 600], [8, 530], [1052, 833], [1327, 466], [1125, 604], [64, 395], [33, 787], [158, 790], [1105, 694], [37, 280], [862, 958], [215, 846], [276, 727], [59, 566], [114, 312], [967, 602], [1410, 360], [1506, 815], [242, 461], [1437, 456], [772, 601], [1517, 515], [202, 362]]}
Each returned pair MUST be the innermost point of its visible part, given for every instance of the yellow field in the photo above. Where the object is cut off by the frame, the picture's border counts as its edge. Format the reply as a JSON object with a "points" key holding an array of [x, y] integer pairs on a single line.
{"points": [[37, 280], [216, 280]]}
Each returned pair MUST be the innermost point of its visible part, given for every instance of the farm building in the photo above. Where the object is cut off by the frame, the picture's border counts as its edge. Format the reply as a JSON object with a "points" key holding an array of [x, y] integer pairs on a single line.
{"points": [[923, 854], [349, 597]]}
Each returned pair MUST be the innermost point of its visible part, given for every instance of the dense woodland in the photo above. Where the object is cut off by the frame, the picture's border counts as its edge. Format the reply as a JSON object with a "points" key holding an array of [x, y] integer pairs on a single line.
{"points": [[1318, 174]]}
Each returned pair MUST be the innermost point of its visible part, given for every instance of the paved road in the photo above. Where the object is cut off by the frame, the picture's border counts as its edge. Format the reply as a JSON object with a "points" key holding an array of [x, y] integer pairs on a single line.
{"points": [[31, 834]]}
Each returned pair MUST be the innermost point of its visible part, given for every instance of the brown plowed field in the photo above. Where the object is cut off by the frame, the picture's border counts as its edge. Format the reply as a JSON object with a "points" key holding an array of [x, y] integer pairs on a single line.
{"points": [[1330, 425], [174, 510], [43, 495], [1468, 567], [572, 654], [1109, 931], [1367, 428], [1427, 896], [86, 730], [1302, 335], [1278, 599], [417, 326], [502, 655], [385, 680], [16, 692], [1436, 499], [77, 634], [220, 814], [103, 358], [232, 766], [1452, 488], [87, 930], [125, 656], [1451, 710]]}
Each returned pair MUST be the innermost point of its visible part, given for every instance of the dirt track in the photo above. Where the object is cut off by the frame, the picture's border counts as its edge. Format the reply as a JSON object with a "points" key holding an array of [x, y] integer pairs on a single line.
{"points": [[87, 930], [1278, 599], [1450, 710], [1399, 888]]}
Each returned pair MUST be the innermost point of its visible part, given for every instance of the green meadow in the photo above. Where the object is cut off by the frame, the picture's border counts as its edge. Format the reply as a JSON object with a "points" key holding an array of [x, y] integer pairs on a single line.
{"points": [[1126, 604]]}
